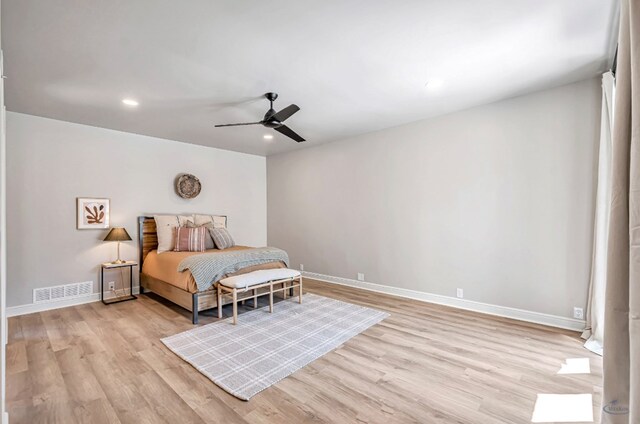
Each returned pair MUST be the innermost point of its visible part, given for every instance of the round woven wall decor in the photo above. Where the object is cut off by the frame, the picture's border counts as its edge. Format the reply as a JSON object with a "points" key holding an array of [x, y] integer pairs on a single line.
{"points": [[188, 186]]}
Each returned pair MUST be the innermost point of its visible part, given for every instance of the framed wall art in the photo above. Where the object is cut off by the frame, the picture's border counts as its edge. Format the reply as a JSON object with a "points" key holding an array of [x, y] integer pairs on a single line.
{"points": [[92, 213]]}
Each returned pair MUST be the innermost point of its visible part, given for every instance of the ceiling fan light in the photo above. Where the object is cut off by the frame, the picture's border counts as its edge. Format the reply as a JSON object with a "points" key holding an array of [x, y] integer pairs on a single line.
{"points": [[434, 84]]}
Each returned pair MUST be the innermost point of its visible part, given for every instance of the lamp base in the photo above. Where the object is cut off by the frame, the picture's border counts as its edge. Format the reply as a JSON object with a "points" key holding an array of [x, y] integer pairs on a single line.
{"points": [[118, 261]]}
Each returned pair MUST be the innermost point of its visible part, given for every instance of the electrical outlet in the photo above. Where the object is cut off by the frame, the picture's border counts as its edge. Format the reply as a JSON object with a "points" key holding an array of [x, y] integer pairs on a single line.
{"points": [[111, 285], [301, 267], [360, 276], [578, 313], [459, 293]]}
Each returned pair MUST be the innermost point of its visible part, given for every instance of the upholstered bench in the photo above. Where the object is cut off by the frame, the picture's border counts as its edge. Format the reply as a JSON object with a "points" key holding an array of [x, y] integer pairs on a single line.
{"points": [[256, 284]]}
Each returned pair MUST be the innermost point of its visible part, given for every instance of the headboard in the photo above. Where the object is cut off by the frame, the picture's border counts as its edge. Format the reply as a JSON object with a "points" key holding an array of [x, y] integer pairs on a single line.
{"points": [[147, 236]]}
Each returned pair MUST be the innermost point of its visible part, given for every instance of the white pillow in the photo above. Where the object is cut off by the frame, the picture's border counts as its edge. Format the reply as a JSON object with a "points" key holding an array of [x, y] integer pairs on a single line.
{"points": [[217, 220], [165, 225]]}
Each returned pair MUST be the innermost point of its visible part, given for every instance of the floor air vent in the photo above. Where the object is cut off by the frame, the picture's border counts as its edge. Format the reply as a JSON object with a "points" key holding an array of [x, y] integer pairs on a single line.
{"points": [[66, 291]]}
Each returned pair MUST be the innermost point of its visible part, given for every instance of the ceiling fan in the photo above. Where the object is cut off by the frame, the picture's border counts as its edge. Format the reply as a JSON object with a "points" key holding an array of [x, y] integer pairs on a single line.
{"points": [[273, 119]]}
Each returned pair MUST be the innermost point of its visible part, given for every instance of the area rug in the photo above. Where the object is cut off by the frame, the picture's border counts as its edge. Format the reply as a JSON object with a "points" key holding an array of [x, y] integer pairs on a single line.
{"points": [[264, 348]]}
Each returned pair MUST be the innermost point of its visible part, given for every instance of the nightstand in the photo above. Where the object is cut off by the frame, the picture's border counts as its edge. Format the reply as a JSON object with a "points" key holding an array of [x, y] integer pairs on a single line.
{"points": [[116, 266]]}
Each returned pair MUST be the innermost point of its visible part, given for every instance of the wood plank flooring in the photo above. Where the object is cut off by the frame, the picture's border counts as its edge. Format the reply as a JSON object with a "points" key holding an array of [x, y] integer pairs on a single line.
{"points": [[424, 364]]}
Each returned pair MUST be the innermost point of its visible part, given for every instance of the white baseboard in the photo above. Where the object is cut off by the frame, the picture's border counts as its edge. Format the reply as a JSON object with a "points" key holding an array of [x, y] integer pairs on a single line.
{"points": [[30, 308], [470, 305]]}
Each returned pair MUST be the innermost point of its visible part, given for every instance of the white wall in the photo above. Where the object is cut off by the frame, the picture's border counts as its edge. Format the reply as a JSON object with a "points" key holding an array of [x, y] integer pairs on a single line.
{"points": [[497, 200], [50, 163]]}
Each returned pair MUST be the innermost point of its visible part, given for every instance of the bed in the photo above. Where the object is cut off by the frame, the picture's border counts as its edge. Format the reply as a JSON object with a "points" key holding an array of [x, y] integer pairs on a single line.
{"points": [[159, 272]]}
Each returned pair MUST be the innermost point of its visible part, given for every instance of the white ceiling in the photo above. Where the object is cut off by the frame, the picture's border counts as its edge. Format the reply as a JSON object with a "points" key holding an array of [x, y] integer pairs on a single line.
{"points": [[352, 66]]}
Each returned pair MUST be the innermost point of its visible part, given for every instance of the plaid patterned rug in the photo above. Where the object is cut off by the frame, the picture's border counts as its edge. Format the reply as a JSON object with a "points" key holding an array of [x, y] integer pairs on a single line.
{"points": [[264, 348]]}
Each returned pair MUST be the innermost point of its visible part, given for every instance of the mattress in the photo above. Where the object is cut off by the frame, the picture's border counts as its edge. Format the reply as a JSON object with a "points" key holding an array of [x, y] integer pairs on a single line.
{"points": [[164, 267]]}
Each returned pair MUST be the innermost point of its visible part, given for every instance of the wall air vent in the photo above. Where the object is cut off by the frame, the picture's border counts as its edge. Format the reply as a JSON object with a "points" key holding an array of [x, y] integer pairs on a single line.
{"points": [[85, 289], [41, 295], [71, 290], [65, 291], [57, 293]]}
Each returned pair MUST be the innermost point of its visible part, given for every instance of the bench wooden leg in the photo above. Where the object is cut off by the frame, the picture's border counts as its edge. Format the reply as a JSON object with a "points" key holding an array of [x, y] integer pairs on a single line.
{"points": [[270, 298], [219, 303], [284, 291], [300, 291], [255, 298], [235, 306]]}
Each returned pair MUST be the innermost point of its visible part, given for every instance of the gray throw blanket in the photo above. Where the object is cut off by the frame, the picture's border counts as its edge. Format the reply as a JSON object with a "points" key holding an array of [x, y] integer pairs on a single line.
{"points": [[208, 268]]}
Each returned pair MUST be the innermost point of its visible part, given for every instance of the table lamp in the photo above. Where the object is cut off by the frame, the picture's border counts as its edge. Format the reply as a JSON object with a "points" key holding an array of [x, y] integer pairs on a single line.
{"points": [[118, 234]]}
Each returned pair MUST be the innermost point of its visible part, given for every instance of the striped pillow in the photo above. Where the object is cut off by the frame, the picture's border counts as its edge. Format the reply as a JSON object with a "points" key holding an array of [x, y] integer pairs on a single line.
{"points": [[208, 241], [221, 238], [190, 239]]}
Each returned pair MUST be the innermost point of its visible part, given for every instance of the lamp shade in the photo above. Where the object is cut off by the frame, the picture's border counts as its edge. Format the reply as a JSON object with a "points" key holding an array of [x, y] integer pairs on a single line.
{"points": [[118, 234]]}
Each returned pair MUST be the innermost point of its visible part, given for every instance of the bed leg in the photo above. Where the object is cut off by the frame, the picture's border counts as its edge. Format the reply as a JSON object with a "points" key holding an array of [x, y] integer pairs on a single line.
{"points": [[194, 307]]}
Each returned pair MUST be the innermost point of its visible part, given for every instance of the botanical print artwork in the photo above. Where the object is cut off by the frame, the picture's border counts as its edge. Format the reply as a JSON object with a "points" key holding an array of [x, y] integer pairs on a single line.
{"points": [[92, 213], [95, 214]]}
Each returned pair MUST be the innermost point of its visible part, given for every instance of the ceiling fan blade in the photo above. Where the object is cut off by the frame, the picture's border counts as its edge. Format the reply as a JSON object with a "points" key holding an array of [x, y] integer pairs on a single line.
{"points": [[285, 113], [283, 129], [237, 125]]}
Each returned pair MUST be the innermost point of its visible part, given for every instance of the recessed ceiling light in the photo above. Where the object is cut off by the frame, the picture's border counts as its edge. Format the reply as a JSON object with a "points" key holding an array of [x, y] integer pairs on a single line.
{"points": [[130, 102], [267, 136], [434, 84]]}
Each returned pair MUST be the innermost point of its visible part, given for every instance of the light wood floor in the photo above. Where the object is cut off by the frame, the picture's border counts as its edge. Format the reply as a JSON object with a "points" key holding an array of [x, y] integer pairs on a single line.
{"points": [[425, 364]]}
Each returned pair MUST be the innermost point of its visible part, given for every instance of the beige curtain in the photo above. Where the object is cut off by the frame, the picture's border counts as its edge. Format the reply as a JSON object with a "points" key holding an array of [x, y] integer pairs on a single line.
{"points": [[621, 395], [594, 332]]}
